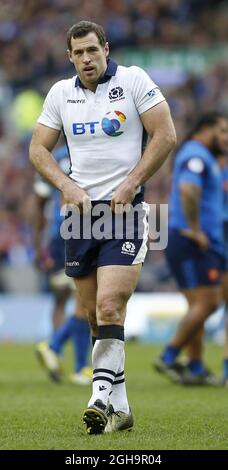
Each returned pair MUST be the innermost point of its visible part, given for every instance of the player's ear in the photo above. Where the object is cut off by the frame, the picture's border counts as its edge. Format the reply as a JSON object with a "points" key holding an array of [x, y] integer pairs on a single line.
{"points": [[106, 49], [69, 55]]}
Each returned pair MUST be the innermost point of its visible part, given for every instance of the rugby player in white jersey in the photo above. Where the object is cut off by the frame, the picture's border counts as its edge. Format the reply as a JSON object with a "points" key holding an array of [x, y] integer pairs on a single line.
{"points": [[102, 112]]}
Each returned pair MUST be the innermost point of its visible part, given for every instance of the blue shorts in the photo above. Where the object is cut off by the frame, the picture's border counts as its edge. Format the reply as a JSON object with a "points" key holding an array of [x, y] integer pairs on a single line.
{"points": [[107, 240], [225, 233], [190, 266], [56, 251]]}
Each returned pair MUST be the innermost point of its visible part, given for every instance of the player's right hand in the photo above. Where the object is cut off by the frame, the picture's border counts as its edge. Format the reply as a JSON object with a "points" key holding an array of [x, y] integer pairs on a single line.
{"points": [[43, 260], [76, 196], [198, 236]]}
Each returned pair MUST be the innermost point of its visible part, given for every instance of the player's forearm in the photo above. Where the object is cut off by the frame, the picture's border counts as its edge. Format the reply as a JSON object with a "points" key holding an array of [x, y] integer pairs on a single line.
{"points": [[190, 204], [45, 164], [156, 152]]}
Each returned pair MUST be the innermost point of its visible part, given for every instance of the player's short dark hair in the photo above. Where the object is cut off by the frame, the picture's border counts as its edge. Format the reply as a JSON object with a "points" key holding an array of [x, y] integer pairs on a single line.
{"points": [[208, 119], [81, 29]]}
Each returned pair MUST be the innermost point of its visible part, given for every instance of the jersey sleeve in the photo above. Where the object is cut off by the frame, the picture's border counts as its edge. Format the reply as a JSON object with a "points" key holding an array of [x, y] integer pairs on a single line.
{"points": [[50, 115], [146, 93], [192, 171]]}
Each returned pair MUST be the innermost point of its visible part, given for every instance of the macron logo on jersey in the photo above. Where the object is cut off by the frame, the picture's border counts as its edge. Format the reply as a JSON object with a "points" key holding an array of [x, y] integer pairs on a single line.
{"points": [[110, 124], [76, 101]]}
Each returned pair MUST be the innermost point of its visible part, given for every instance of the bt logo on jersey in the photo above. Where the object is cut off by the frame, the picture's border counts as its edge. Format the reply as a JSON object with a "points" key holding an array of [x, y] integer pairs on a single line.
{"points": [[81, 127], [110, 124]]}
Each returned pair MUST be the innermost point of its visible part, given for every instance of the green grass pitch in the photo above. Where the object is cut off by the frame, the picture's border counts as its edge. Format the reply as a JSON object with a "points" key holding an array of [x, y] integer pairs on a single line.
{"points": [[37, 414]]}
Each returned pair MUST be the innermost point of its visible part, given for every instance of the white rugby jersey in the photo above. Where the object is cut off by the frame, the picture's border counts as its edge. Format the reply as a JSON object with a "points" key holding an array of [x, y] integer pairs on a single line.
{"points": [[103, 130]]}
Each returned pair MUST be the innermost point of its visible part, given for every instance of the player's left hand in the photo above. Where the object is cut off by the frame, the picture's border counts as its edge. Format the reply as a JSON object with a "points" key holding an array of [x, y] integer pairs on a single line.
{"points": [[123, 197]]}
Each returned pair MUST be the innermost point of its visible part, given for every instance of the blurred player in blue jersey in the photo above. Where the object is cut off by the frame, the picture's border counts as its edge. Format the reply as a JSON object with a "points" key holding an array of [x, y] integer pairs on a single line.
{"points": [[195, 251], [223, 161], [51, 258], [195, 347]]}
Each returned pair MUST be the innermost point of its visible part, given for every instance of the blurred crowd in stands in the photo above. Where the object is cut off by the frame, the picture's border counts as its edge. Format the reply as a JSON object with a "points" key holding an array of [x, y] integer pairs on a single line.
{"points": [[33, 57]]}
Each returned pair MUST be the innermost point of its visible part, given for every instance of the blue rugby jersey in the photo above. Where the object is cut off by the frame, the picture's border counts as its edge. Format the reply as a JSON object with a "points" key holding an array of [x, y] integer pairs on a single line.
{"points": [[195, 164], [225, 192]]}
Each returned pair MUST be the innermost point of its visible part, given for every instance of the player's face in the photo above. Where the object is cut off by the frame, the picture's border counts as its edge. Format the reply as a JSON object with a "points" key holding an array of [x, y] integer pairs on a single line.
{"points": [[219, 142], [89, 59]]}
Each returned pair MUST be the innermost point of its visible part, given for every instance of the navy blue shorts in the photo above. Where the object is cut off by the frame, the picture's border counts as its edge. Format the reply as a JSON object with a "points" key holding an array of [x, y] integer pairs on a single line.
{"points": [[190, 266], [105, 240]]}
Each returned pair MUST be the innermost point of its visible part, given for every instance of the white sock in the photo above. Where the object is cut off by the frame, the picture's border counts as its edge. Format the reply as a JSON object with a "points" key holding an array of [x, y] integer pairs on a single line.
{"points": [[118, 394], [106, 357]]}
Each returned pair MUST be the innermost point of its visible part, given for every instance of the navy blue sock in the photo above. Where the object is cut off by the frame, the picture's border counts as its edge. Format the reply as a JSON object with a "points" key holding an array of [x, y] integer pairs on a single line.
{"points": [[81, 342], [62, 334], [170, 354], [196, 367], [225, 367]]}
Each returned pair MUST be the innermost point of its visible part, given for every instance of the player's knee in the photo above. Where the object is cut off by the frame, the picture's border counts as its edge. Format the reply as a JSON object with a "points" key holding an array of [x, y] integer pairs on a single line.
{"points": [[61, 295], [210, 305], [109, 310], [214, 303], [86, 306]]}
